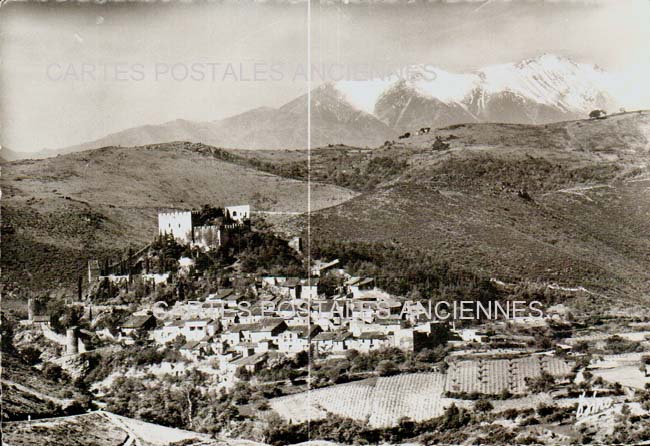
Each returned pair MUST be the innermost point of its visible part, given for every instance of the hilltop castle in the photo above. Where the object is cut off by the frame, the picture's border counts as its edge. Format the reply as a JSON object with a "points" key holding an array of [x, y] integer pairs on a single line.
{"points": [[191, 227]]}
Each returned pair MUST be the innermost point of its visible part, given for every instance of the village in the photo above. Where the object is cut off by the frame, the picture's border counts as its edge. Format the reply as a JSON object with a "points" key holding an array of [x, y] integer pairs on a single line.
{"points": [[187, 300], [286, 315]]}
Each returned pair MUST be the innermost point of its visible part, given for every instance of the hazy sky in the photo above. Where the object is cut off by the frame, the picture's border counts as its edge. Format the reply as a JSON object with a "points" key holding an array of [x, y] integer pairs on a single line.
{"points": [[75, 72]]}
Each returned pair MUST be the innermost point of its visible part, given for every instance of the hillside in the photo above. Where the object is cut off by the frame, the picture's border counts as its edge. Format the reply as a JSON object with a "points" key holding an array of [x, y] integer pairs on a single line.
{"points": [[104, 429], [58, 212], [25, 391], [563, 203], [380, 400], [566, 203]]}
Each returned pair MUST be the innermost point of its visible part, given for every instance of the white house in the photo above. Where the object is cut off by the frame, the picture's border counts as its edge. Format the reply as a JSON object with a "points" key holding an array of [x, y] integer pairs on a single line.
{"points": [[309, 288], [297, 338], [238, 213], [369, 341], [331, 341]]}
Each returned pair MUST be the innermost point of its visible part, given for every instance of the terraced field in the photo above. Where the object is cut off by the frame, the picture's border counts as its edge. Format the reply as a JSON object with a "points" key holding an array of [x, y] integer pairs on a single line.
{"points": [[492, 377], [381, 401]]}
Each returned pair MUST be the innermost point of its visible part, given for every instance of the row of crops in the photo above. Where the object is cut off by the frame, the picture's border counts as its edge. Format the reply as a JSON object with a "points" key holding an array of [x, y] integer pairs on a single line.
{"points": [[495, 376], [382, 401]]}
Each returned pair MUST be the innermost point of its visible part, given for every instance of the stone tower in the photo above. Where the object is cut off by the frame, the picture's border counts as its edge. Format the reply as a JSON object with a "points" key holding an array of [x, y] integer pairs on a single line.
{"points": [[72, 341], [30, 310]]}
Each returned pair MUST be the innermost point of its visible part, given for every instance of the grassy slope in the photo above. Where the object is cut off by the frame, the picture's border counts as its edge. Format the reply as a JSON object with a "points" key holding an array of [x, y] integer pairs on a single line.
{"points": [[58, 212], [103, 429], [587, 223], [25, 391]]}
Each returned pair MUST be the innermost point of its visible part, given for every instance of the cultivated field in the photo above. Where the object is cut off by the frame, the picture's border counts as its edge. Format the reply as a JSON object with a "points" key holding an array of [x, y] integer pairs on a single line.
{"points": [[381, 401], [494, 376]]}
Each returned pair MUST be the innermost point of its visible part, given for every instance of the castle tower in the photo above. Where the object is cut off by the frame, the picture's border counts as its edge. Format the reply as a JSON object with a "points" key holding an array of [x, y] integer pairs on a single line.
{"points": [[72, 341], [93, 270], [30, 310]]}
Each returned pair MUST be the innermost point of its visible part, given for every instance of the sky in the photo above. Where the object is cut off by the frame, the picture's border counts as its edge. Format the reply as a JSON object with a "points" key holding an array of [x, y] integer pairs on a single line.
{"points": [[74, 72]]}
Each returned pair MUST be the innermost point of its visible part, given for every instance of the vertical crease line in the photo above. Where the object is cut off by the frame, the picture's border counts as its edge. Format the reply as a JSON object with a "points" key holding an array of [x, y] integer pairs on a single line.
{"points": [[309, 299]]}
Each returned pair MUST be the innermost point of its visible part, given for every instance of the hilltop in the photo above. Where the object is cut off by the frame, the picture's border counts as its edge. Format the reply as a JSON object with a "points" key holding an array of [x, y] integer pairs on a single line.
{"points": [[59, 212], [563, 203]]}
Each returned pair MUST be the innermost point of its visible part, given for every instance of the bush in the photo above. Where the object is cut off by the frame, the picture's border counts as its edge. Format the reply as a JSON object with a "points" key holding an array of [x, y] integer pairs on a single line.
{"points": [[483, 405], [386, 368], [53, 372], [31, 355], [439, 144]]}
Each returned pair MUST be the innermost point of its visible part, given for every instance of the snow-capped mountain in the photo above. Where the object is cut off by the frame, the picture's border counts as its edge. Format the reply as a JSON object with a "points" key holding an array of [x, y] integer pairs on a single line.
{"points": [[545, 89], [366, 113]]}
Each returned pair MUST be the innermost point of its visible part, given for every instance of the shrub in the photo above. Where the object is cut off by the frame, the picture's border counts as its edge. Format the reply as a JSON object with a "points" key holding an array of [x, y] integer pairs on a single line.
{"points": [[483, 405], [386, 368]]}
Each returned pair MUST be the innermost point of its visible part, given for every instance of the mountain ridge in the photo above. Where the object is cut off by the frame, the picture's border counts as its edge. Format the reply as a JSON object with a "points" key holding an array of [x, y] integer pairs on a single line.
{"points": [[541, 90]]}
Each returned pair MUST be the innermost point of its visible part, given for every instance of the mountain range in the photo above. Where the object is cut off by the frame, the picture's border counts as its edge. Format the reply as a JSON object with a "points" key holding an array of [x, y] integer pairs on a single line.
{"points": [[545, 89]]}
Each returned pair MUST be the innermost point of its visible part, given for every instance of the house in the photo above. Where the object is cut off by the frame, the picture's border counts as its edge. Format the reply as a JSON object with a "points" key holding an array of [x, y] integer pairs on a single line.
{"points": [[226, 296], [297, 338], [137, 324], [239, 214], [168, 332], [472, 335], [371, 340], [228, 318], [331, 341], [296, 244], [309, 288], [198, 329], [254, 314], [290, 288], [267, 329], [190, 350], [251, 348], [251, 364], [220, 296], [329, 314]]}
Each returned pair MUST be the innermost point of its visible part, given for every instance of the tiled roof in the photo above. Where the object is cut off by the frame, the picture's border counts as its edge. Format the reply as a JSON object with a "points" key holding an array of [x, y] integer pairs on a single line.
{"points": [[136, 321], [249, 360], [336, 336], [373, 335]]}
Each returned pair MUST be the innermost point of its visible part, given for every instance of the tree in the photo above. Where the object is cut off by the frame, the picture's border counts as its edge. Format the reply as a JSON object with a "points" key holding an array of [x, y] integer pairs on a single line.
{"points": [[542, 383], [53, 372], [597, 114], [440, 144], [31, 355], [483, 405], [386, 368]]}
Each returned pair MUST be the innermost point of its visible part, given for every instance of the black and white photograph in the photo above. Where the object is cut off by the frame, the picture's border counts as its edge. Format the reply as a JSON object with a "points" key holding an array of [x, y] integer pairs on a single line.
{"points": [[325, 222]]}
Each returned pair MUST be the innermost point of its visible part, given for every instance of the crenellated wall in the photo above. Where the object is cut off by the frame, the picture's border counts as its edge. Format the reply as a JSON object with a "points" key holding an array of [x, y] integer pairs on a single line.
{"points": [[207, 237], [178, 224]]}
